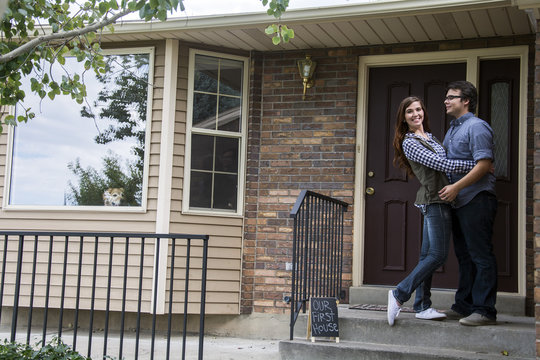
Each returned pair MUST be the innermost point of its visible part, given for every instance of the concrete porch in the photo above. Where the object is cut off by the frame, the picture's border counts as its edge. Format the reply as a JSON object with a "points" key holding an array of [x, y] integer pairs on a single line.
{"points": [[366, 334]]}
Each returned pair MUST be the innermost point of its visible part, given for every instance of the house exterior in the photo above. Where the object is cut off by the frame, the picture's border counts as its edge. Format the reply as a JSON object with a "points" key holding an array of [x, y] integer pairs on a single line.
{"points": [[230, 142]]}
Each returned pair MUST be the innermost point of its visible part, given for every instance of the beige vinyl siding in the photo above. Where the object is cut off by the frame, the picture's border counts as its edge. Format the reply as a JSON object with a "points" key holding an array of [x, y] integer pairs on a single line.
{"points": [[225, 244], [226, 232], [88, 220]]}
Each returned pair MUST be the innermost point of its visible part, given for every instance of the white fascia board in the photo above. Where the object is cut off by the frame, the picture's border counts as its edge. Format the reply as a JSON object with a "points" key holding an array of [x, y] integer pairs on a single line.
{"points": [[366, 10]]}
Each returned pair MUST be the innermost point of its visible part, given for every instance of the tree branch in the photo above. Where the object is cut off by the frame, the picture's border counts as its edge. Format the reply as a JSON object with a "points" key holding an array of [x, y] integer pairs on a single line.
{"points": [[57, 36]]}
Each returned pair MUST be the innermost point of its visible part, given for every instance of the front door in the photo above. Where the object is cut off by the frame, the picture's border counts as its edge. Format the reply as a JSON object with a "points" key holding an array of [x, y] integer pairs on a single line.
{"points": [[393, 225]]}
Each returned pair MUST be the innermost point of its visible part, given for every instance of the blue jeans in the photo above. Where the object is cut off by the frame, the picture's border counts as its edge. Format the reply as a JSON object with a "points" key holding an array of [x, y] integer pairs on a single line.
{"points": [[473, 229], [433, 254]]}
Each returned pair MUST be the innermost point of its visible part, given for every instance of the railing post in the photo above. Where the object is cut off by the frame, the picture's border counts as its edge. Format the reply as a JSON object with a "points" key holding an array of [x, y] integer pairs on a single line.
{"points": [[17, 289], [203, 297]]}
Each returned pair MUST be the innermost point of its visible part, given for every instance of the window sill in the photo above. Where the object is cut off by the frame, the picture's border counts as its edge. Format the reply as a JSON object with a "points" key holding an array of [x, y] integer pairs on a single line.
{"points": [[213, 213]]}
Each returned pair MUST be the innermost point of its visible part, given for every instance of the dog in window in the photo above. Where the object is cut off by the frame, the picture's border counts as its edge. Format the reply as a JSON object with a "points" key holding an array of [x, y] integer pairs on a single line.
{"points": [[113, 196]]}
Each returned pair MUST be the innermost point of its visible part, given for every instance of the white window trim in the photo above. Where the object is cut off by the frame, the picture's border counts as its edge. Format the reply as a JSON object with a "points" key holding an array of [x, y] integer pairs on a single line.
{"points": [[130, 209], [242, 135]]}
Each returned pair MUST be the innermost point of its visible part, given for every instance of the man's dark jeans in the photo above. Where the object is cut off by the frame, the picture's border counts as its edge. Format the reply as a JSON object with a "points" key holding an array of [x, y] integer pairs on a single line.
{"points": [[472, 226]]}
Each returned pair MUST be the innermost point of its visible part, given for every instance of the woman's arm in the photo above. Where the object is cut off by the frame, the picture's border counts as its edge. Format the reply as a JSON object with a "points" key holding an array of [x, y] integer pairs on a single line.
{"points": [[449, 192], [417, 152]]}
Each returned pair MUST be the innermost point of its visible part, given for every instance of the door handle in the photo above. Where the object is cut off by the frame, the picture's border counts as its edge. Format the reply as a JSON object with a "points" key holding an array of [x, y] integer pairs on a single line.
{"points": [[370, 190]]}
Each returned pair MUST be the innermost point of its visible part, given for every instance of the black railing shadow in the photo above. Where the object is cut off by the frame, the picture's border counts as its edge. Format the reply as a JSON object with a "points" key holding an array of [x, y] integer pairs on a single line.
{"points": [[69, 257], [317, 263]]}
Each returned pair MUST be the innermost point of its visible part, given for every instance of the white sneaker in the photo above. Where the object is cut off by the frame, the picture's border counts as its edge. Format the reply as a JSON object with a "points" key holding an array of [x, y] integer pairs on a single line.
{"points": [[393, 309], [430, 314]]}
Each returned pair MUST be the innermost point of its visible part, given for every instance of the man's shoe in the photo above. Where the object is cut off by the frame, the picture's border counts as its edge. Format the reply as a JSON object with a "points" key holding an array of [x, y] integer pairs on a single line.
{"points": [[476, 319], [430, 314], [393, 309], [453, 315]]}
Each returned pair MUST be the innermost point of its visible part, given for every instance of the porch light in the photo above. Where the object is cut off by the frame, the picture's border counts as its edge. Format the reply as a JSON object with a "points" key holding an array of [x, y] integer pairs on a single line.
{"points": [[306, 68]]}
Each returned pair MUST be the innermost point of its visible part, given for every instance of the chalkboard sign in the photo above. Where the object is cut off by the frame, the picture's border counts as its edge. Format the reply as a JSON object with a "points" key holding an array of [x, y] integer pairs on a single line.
{"points": [[324, 318]]}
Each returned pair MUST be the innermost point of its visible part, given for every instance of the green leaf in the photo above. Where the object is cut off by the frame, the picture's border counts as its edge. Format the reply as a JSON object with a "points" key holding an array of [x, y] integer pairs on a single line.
{"points": [[91, 37], [103, 8], [276, 40], [162, 15], [270, 29], [10, 120]]}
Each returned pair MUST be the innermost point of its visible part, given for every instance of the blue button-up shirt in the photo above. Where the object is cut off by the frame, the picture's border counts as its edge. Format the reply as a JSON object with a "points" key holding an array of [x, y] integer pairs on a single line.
{"points": [[470, 138]]}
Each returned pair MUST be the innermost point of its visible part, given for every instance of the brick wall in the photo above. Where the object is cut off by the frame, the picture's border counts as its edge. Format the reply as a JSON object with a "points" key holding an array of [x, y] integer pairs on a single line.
{"points": [[536, 195], [294, 144], [297, 144]]}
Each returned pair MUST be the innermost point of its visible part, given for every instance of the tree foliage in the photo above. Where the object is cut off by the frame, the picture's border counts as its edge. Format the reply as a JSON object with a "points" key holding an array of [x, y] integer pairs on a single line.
{"points": [[54, 350], [92, 183], [37, 33], [122, 100]]}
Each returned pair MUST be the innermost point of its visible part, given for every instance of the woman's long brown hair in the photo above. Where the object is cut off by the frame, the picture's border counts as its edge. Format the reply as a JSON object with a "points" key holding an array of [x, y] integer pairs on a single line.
{"points": [[402, 128]]}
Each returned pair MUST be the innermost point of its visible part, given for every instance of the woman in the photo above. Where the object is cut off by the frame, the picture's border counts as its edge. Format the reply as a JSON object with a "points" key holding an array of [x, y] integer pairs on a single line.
{"points": [[422, 155]]}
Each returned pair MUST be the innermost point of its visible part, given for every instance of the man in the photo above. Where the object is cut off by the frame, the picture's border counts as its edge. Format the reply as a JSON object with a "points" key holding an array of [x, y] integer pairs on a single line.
{"points": [[470, 138]]}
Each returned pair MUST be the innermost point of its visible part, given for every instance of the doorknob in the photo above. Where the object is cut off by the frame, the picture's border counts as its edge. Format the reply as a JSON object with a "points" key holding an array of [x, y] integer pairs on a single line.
{"points": [[370, 191]]}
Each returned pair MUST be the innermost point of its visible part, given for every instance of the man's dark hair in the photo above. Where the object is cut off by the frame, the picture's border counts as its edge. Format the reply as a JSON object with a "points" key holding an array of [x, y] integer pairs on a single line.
{"points": [[468, 91]]}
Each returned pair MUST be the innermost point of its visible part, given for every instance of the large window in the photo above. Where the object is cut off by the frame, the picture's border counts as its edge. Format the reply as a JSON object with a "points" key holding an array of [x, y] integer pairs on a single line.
{"points": [[91, 154], [216, 131]]}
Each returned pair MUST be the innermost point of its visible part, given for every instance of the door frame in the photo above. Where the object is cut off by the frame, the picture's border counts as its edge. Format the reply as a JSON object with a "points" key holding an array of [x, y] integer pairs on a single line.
{"points": [[472, 58]]}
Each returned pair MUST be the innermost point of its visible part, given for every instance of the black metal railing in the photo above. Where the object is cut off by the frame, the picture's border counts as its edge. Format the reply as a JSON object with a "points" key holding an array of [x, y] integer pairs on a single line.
{"points": [[317, 263], [76, 274]]}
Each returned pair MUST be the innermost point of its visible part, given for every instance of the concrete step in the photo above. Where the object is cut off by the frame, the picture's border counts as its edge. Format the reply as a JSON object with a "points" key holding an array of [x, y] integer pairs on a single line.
{"points": [[362, 330], [346, 350]]}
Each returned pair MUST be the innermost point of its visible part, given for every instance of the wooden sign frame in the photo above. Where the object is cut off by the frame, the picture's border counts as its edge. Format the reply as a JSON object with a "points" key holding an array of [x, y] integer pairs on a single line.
{"points": [[323, 318]]}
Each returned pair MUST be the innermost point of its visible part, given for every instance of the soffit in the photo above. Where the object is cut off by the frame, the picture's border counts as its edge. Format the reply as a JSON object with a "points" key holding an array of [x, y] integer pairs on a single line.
{"points": [[377, 23]]}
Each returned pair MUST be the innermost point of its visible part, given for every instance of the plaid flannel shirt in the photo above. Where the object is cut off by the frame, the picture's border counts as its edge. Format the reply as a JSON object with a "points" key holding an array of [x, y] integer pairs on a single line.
{"points": [[437, 160]]}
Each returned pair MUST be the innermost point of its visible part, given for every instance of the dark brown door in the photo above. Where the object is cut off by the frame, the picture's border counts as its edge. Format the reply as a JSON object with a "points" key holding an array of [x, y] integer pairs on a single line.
{"points": [[393, 224]]}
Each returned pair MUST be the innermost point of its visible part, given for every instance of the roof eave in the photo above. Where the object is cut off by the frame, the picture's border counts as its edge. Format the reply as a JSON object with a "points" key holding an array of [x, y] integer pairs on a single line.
{"points": [[366, 10]]}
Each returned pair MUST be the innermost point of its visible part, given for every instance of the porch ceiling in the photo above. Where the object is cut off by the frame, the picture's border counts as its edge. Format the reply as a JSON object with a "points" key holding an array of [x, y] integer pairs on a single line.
{"points": [[373, 23]]}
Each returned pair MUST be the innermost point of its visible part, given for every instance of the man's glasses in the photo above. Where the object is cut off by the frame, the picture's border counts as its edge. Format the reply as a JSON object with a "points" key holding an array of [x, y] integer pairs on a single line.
{"points": [[452, 97]]}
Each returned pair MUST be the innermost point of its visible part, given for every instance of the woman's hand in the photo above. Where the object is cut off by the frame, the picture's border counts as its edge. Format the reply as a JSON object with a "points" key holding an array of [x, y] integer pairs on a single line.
{"points": [[449, 192]]}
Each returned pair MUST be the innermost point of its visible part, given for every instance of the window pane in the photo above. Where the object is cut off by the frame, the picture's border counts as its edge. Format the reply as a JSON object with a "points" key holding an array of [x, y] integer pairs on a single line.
{"points": [[90, 154], [227, 155], [231, 77], [500, 112], [225, 191], [202, 152], [206, 74], [201, 190], [229, 114], [204, 111]]}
